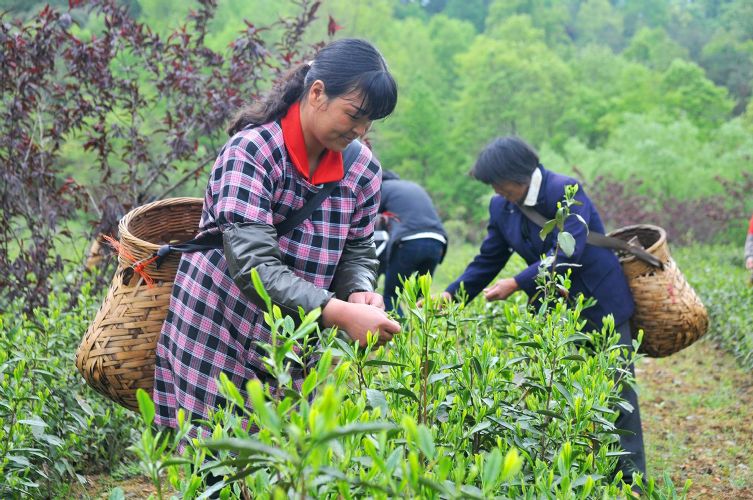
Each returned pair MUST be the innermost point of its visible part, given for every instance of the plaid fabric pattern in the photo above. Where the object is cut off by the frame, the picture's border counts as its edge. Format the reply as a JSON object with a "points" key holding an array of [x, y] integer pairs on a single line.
{"points": [[211, 326]]}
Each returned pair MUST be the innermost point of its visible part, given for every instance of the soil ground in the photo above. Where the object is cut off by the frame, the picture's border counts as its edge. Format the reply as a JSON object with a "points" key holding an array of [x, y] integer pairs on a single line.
{"points": [[697, 409]]}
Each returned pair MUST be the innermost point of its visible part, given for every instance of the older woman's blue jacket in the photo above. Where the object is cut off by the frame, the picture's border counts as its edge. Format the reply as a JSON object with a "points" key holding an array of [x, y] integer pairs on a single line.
{"points": [[598, 275]]}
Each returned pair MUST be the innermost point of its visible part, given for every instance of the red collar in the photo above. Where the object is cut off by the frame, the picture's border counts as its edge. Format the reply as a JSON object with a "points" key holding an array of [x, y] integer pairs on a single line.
{"points": [[331, 163]]}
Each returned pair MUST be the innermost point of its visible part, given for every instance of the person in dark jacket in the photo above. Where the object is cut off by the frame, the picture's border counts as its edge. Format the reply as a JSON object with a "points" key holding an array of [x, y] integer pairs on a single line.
{"points": [[417, 240], [513, 170], [280, 153]]}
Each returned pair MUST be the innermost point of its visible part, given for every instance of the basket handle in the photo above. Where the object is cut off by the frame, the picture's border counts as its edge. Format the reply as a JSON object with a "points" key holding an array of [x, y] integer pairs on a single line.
{"points": [[600, 240]]}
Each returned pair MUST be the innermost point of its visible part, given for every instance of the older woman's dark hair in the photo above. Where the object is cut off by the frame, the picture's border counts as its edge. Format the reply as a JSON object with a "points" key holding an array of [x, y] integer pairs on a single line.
{"points": [[505, 159], [344, 66]]}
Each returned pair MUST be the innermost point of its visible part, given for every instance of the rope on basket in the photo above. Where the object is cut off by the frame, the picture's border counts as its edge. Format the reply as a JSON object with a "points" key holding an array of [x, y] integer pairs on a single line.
{"points": [[139, 266]]}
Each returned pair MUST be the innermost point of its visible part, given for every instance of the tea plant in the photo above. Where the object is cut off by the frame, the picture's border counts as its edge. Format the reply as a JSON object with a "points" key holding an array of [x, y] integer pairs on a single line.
{"points": [[468, 401], [718, 275], [53, 429]]}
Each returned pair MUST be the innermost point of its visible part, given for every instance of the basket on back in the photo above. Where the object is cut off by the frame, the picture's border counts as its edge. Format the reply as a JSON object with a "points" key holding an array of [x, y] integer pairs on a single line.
{"points": [[117, 354], [667, 308]]}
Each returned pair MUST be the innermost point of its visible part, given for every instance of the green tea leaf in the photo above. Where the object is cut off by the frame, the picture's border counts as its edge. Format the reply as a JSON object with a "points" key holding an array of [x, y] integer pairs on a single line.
{"points": [[146, 406], [382, 362], [359, 428], [548, 227], [566, 242], [403, 392], [309, 384], [512, 464], [376, 399], [436, 377], [565, 393], [481, 426], [426, 442], [247, 446], [492, 468]]}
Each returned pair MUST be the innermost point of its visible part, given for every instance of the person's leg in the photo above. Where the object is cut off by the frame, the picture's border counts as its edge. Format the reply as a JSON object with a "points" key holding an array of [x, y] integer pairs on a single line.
{"points": [[430, 253], [630, 421], [392, 275], [406, 258]]}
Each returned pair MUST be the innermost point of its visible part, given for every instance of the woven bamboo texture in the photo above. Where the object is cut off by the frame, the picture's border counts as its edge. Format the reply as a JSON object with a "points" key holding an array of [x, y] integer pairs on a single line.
{"points": [[146, 228], [117, 354], [667, 308]]}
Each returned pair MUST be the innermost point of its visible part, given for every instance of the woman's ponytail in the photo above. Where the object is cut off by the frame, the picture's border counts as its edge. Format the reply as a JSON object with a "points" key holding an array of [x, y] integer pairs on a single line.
{"points": [[343, 66], [275, 104]]}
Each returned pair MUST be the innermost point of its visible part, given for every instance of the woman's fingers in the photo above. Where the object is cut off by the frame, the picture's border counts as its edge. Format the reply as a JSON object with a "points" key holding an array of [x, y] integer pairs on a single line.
{"points": [[371, 298], [492, 292]]}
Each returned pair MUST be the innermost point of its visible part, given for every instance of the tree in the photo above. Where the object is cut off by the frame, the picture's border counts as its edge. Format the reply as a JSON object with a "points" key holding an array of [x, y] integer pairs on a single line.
{"points": [[598, 22], [552, 16], [729, 62], [687, 92], [150, 110], [653, 48], [511, 84], [607, 86]]}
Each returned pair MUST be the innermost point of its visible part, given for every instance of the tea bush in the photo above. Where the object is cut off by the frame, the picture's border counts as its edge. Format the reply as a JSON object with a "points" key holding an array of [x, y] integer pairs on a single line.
{"points": [[53, 428], [468, 401], [719, 277]]}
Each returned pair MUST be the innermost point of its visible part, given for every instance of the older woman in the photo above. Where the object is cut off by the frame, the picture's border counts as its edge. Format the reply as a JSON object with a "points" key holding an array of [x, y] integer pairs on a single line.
{"points": [[511, 167]]}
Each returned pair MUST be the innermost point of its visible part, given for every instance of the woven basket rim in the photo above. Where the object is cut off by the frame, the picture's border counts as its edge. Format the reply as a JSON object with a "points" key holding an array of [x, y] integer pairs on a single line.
{"points": [[125, 233], [636, 227]]}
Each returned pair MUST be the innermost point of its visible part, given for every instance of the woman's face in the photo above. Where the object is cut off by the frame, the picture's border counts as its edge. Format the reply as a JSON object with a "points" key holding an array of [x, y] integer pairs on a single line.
{"points": [[337, 121], [512, 191]]}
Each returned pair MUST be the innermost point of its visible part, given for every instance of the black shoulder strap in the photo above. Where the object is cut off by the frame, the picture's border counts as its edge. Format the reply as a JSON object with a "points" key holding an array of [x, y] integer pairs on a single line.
{"points": [[211, 241], [599, 240], [349, 157]]}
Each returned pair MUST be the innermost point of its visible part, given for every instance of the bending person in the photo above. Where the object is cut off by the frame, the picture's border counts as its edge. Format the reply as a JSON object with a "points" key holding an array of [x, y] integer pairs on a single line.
{"points": [[511, 167], [417, 240]]}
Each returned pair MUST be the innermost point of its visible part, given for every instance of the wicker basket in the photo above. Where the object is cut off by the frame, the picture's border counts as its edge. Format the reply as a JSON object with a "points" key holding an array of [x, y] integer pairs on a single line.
{"points": [[667, 308], [117, 354]]}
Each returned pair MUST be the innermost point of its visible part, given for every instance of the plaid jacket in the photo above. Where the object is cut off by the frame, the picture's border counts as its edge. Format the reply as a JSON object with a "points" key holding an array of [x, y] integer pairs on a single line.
{"points": [[211, 326]]}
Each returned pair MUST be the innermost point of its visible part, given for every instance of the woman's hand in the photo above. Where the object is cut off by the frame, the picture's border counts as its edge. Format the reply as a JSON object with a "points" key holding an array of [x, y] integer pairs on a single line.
{"points": [[358, 319], [501, 289], [371, 298]]}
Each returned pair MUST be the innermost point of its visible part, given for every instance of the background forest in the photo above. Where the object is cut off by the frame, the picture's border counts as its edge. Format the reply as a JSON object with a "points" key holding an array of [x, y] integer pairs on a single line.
{"points": [[653, 94]]}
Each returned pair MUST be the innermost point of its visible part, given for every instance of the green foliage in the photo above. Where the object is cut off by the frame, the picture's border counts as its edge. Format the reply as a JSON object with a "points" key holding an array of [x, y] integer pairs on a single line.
{"points": [[688, 93], [719, 277], [53, 428], [566, 75], [653, 48], [467, 401], [657, 152]]}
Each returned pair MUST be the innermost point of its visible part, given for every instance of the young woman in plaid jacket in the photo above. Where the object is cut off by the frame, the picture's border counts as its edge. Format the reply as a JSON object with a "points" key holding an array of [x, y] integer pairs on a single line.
{"points": [[280, 152]]}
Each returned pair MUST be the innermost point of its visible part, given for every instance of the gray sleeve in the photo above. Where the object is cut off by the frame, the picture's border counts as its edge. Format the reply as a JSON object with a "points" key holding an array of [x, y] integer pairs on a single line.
{"points": [[749, 246], [357, 269], [254, 245]]}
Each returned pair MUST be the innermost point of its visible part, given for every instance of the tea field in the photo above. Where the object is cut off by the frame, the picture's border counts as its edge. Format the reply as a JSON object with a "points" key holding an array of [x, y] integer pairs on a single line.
{"points": [[524, 417]]}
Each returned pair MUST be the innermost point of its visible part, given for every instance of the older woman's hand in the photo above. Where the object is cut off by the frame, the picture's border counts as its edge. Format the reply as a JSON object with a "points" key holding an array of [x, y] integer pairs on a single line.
{"points": [[501, 289]]}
